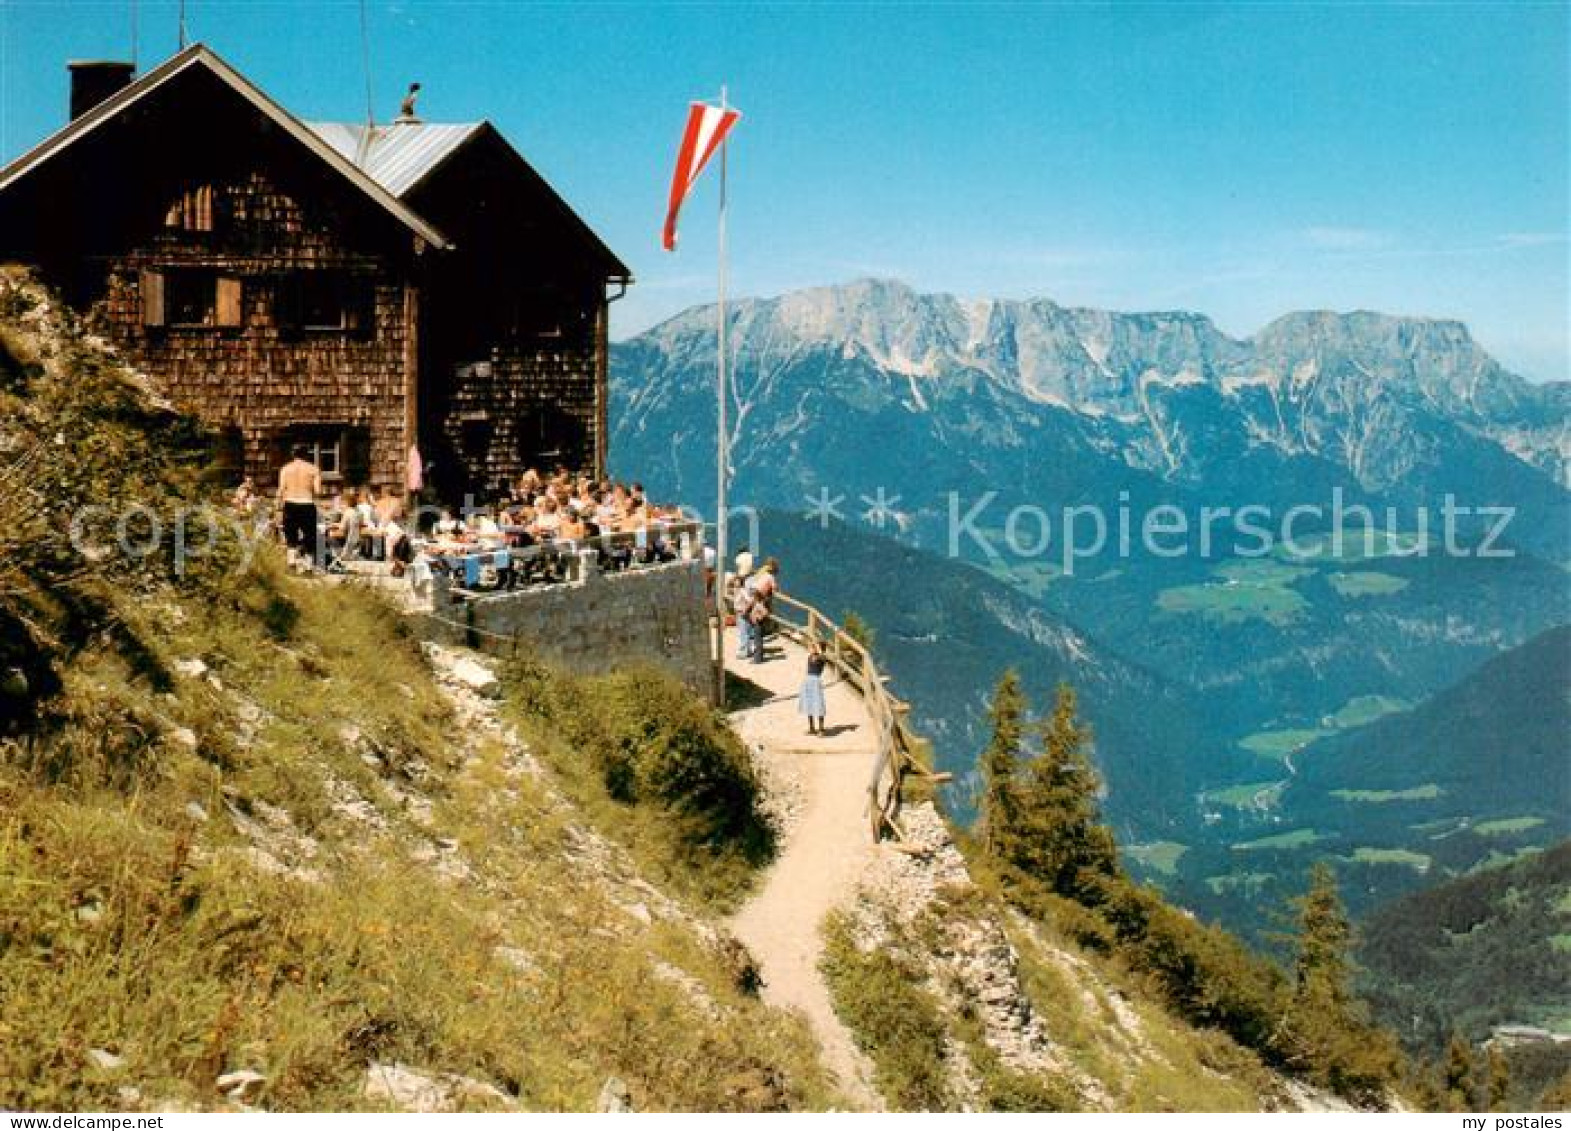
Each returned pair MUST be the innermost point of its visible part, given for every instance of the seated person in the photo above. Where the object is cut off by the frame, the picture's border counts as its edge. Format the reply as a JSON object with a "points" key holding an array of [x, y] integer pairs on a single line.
{"points": [[347, 533], [390, 507], [572, 528], [518, 525], [396, 547], [370, 526], [548, 518], [245, 498], [419, 570], [529, 486], [488, 533]]}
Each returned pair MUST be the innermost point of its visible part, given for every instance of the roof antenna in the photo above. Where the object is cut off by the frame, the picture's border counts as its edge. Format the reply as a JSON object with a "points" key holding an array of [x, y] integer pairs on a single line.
{"points": [[365, 62], [182, 25], [133, 34]]}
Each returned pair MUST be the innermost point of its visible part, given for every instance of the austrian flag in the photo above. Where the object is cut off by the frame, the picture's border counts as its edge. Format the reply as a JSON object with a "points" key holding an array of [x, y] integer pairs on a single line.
{"points": [[706, 131]]}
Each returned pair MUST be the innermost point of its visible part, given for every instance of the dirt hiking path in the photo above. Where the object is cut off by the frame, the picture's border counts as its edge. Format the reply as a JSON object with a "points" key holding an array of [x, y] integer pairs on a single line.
{"points": [[826, 844]]}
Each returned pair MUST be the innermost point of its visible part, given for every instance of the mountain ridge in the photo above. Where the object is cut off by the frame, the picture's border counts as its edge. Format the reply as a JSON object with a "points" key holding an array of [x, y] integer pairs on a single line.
{"points": [[1309, 382]]}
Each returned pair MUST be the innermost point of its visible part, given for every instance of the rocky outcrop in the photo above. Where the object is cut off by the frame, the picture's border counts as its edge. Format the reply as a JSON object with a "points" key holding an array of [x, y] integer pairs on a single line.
{"points": [[972, 967]]}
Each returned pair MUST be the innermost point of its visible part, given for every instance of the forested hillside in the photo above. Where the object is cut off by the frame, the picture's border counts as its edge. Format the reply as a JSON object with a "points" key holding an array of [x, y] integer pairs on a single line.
{"points": [[1475, 953]]}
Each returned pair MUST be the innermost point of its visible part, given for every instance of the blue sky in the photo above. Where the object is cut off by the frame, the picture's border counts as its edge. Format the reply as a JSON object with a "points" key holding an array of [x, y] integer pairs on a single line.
{"points": [[1240, 160]]}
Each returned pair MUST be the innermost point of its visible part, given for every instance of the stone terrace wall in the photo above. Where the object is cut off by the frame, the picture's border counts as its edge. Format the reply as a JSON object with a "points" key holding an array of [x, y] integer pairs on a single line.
{"points": [[603, 622]]}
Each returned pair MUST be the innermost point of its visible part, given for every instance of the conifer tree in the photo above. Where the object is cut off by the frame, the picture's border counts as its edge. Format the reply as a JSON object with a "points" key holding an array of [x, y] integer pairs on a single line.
{"points": [[1427, 1094], [1456, 1078], [1557, 1097], [1498, 1080], [1321, 970], [1324, 1031], [1062, 841], [856, 627], [1001, 764]]}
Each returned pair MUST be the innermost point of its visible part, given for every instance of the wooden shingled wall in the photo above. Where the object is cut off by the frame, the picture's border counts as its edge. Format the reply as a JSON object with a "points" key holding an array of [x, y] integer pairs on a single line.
{"points": [[253, 365], [531, 404]]}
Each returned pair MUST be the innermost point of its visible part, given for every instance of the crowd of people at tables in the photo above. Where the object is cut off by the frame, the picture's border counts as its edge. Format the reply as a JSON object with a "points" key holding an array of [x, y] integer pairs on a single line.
{"points": [[563, 511]]}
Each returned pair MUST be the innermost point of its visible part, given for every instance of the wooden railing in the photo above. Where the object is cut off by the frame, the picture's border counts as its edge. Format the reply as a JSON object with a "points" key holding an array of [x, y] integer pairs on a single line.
{"points": [[897, 743]]}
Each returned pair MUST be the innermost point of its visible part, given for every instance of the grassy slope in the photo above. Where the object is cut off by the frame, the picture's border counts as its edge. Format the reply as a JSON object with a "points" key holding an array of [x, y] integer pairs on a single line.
{"points": [[133, 925], [296, 859]]}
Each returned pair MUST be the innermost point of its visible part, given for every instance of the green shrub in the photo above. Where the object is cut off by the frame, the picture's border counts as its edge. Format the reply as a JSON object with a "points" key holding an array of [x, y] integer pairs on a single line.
{"points": [[671, 781], [1205, 974], [893, 1019], [657, 742], [1004, 1089]]}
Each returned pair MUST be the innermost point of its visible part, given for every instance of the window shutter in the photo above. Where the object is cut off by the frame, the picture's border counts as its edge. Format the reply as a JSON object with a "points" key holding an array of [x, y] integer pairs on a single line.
{"points": [[228, 312], [152, 286]]}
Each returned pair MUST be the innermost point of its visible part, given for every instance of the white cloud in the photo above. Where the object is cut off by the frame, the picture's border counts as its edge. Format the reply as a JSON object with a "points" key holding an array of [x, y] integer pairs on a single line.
{"points": [[1332, 238], [1531, 239]]}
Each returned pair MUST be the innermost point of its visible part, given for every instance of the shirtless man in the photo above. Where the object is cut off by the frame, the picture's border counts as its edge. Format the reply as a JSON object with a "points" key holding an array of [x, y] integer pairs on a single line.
{"points": [[299, 483]]}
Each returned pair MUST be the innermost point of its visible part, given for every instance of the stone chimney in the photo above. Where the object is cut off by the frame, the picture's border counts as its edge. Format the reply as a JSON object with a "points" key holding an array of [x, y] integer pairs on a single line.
{"points": [[93, 80]]}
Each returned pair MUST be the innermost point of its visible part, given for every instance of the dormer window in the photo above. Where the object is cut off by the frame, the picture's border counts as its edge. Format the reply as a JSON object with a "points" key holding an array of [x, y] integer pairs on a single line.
{"points": [[536, 314]]}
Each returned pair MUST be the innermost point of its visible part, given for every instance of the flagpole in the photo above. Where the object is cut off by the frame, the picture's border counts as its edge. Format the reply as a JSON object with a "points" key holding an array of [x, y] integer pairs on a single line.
{"points": [[723, 446]]}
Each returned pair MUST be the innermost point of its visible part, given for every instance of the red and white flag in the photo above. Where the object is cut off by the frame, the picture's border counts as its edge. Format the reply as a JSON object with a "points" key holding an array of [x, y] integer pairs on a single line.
{"points": [[707, 127]]}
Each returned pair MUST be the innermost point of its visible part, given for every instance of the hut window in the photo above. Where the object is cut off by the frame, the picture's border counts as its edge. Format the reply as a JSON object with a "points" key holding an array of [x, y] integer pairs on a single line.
{"points": [[328, 300], [326, 450], [341, 452], [190, 298], [322, 301], [330, 456], [187, 297]]}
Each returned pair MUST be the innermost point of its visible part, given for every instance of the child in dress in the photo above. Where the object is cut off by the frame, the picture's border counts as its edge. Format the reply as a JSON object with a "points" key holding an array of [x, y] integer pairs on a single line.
{"points": [[811, 701]]}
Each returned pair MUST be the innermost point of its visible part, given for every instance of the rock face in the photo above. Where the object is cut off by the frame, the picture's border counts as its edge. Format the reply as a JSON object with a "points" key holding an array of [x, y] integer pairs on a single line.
{"points": [[1181, 658], [1103, 1049], [105, 1060], [408, 1089], [972, 966], [241, 1085]]}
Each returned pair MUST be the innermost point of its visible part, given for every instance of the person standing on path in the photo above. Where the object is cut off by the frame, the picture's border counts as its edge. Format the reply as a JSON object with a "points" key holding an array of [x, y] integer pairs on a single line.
{"points": [[299, 484], [765, 584], [741, 599], [742, 605], [810, 701]]}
